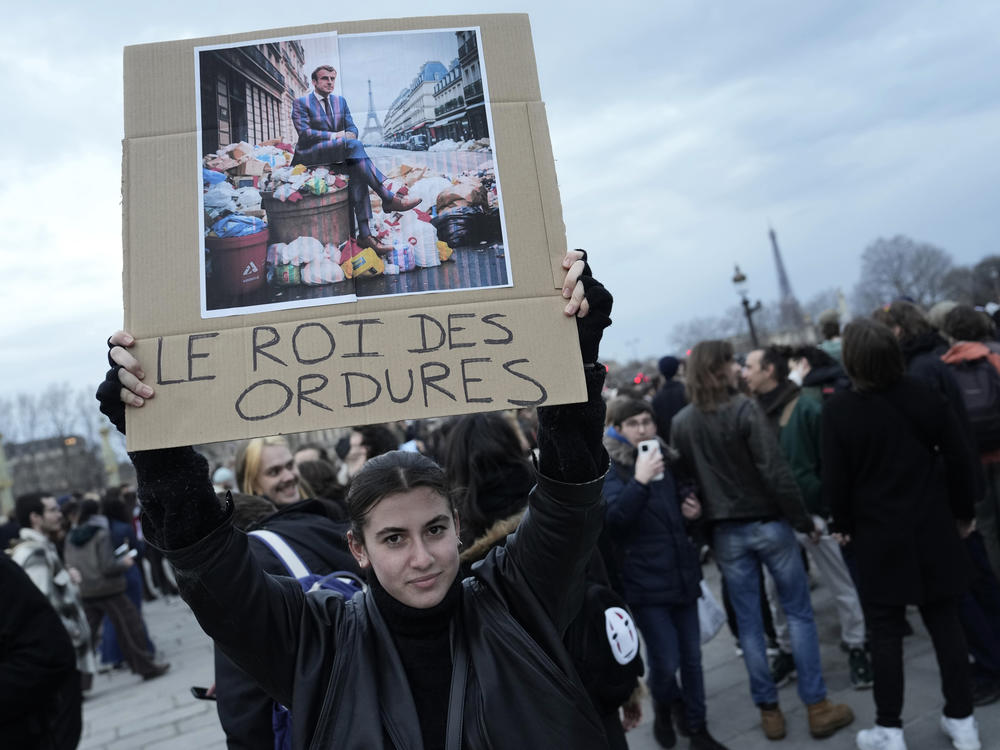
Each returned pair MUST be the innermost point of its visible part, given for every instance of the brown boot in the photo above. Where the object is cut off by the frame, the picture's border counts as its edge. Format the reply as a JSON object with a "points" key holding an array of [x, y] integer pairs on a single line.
{"points": [[772, 721], [825, 717]]}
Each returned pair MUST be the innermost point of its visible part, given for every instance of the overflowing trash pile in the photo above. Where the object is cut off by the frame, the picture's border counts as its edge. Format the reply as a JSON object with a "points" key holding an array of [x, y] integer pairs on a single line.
{"points": [[447, 144], [452, 212]]}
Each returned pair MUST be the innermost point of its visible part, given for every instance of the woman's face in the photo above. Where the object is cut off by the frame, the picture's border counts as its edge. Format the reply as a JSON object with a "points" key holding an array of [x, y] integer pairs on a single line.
{"points": [[277, 479], [411, 543]]}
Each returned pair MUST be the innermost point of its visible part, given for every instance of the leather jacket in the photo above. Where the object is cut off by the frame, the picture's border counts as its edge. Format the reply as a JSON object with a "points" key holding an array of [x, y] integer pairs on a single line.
{"points": [[340, 672], [740, 468]]}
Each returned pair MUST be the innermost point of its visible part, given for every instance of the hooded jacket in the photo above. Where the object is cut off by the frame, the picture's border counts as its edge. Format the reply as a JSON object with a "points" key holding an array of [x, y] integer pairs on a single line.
{"points": [[798, 434], [659, 561], [742, 474], [88, 549]]}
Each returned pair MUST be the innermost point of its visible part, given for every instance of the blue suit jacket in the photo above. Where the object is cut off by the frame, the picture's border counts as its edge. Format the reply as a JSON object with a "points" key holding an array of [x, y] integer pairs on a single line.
{"points": [[312, 124]]}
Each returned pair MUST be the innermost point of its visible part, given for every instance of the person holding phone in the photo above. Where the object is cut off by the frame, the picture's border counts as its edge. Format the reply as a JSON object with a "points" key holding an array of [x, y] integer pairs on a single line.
{"points": [[661, 571]]}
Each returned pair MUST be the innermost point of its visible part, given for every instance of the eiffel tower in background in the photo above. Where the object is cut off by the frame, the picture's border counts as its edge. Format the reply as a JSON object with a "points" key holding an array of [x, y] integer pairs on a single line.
{"points": [[372, 125], [790, 311]]}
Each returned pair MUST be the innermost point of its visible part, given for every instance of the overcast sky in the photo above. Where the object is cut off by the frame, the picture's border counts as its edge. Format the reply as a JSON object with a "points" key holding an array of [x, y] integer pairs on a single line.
{"points": [[681, 129]]}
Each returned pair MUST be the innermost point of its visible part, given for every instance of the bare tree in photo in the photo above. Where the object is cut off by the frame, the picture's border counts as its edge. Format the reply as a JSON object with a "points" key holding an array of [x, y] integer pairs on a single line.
{"points": [[686, 334], [901, 267], [828, 299]]}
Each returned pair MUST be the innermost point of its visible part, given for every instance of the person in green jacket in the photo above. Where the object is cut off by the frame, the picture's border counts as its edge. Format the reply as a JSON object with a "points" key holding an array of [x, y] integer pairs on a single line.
{"points": [[796, 418]]}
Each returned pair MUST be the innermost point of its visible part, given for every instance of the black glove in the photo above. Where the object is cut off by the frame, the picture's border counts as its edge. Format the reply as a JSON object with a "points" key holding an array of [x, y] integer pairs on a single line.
{"points": [[590, 328], [109, 396]]}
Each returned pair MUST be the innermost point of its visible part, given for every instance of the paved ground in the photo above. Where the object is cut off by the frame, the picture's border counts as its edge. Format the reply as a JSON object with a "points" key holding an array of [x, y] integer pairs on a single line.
{"points": [[125, 713]]}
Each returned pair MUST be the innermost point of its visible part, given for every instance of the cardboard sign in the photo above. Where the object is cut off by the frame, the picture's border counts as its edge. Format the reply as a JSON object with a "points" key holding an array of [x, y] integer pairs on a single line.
{"points": [[340, 225]]}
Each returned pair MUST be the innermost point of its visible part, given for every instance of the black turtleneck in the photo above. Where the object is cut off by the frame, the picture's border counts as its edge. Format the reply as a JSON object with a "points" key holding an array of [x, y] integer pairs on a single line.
{"points": [[422, 640]]}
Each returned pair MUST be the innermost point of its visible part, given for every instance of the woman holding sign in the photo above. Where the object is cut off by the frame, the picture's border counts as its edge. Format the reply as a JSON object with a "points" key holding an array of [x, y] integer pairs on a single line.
{"points": [[421, 659]]}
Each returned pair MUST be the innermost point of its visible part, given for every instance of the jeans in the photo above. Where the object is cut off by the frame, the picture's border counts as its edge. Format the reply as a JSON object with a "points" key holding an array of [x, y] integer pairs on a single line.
{"points": [[673, 640], [741, 548], [830, 563]]}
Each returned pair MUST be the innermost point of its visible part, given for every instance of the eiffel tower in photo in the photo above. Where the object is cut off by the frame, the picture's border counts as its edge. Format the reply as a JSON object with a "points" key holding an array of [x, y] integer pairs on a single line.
{"points": [[372, 126], [790, 311]]}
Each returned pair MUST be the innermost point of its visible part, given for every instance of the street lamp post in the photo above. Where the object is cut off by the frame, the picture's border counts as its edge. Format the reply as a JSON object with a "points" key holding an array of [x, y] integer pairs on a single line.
{"points": [[740, 282]]}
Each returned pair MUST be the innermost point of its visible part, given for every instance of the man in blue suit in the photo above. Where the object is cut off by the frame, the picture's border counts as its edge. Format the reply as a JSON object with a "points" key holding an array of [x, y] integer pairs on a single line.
{"points": [[328, 137]]}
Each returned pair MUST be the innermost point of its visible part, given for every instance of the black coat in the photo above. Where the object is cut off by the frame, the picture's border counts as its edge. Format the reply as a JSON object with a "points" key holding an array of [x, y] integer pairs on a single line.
{"points": [[39, 684], [897, 472], [244, 708], [659, 562], [669, 400], [340, 672]]}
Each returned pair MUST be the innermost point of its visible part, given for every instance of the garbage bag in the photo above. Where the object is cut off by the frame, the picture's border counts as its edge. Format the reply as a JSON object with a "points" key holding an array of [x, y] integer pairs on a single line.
{"points": [[211, 177], [304, 250], [460, 226], [322, 271], [222, 196], [421, 236], [237, 225], [247, 199]]}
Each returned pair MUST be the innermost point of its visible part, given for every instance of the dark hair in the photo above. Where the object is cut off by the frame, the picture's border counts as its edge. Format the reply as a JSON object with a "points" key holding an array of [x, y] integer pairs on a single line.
{"points": [[88, 508], [815, 356], [26, 504], [390, 474], [321, 477], [965, 323], [315, 73], [873, 358], [481, 448], [377, 439], [320, 450], [113, 506], [777, 357], [829, 329], [909, 317], [706, 380], [626, 408]]}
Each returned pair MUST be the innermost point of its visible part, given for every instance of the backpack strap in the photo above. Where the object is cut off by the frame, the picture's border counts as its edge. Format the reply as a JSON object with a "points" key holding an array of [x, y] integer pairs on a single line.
{"points": [[289, 558], [456, 698]]}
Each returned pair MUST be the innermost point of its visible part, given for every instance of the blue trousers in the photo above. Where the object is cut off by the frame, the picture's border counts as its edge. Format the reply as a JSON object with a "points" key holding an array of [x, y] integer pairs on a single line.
{"points": [[741, 548], [673, 641]]}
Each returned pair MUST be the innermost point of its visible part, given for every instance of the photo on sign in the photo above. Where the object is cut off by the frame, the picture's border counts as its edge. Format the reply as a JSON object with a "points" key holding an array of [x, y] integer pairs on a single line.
{"points": [[339, 167]]}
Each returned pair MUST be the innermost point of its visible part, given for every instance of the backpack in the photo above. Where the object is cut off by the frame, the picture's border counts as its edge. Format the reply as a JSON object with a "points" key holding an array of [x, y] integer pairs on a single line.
{"points": [[979, 383], [342, 582], [604, 644]]}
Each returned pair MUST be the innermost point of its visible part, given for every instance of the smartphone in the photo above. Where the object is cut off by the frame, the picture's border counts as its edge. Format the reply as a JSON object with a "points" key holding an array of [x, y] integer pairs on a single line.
{"points": [[651, 446], [131, 553], [121, 549], [201, 693]]}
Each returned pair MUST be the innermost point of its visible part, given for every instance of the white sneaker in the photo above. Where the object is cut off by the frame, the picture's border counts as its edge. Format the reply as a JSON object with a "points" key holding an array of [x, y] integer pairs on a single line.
{"points": [[881, 738], [964, 733]]}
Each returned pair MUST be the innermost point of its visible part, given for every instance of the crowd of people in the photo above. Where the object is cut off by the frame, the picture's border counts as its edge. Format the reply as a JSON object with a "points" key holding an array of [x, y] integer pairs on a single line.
{"points": [[507, 565]]}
